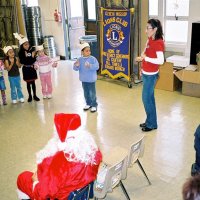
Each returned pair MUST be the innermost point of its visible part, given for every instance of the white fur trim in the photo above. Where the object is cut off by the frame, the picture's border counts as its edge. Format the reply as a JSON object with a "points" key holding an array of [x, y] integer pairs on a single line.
{"points": [[22, 195], [35, 183], [49, 150], [81, 148], [78, 147]]}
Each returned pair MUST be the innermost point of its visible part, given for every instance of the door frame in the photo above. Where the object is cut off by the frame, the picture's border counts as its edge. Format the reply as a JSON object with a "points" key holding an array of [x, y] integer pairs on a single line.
{"points": [[67, 26], [65, 29]]}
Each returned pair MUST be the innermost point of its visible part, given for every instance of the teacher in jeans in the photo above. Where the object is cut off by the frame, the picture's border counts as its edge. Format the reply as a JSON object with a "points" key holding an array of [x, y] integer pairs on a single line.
{"points": [[151, 58]]}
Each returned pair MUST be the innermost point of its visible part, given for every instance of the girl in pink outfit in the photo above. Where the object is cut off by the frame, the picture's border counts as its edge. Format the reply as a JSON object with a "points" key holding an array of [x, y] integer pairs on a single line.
{"points": [[43, 64], [2, 83]]}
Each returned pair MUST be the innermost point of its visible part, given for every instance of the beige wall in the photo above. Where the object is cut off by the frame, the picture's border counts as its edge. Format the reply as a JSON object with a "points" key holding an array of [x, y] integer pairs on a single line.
{"points": [[49, 26]]}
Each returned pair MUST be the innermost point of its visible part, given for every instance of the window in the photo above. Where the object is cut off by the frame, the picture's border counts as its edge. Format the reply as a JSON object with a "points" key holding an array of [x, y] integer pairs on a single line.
{"points": [[177, 7], [76, 8], [91, 10], [174, 15], [176, 31], [153, 7], [32, 3]]}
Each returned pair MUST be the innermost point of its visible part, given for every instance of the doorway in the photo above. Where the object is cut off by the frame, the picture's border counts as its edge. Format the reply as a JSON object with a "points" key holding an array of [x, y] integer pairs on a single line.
{"points": [[74, 20]]}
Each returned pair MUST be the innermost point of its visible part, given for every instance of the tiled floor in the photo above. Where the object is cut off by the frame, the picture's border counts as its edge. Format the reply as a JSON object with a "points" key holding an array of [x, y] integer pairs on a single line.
{"points": [[26, 128]]}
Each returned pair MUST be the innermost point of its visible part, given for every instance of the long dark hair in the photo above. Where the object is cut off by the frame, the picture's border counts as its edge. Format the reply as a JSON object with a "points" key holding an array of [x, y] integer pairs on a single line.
{"points": [[155, 23], [191, 188]]}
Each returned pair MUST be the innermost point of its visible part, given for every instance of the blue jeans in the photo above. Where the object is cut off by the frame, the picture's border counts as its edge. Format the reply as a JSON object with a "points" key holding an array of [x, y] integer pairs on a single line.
{"points": [[149, 82], [15, 86], [89, 90], [197, 148]]}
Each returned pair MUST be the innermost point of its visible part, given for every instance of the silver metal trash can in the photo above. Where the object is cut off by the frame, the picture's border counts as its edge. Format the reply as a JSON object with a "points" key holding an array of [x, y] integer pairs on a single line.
{"points": [[92, 40]]}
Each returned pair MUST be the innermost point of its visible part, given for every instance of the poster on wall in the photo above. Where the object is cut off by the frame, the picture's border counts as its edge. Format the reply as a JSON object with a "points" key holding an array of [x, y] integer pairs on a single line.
{"points": [[115, 46]]}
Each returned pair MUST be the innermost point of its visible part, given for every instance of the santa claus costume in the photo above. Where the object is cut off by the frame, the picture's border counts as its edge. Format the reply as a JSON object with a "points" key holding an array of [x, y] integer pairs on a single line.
{"points": [[68, 162]]}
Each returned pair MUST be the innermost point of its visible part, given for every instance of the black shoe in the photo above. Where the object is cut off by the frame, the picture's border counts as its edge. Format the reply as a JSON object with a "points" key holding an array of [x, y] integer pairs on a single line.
{"points": [[143, 125], [146, 129], [29, 98], [36, 98]]}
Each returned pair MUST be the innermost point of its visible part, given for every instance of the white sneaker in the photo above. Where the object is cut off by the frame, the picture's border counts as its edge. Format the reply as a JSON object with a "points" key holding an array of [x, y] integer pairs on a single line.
{"points": [[93, 109], [14, 101], [44, 96], [49, 96], [87, 107], [21, 100]]}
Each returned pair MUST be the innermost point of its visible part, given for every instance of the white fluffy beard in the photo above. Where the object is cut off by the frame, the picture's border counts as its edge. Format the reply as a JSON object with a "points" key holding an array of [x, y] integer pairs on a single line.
{"points": [[79, 146], [49, 150]]}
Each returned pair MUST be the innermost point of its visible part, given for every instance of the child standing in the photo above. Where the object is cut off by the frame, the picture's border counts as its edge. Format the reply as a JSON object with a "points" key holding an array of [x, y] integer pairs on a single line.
{"points": [[43, 64], [87, 66], [12, 64], [28, 57], [2, 83]]}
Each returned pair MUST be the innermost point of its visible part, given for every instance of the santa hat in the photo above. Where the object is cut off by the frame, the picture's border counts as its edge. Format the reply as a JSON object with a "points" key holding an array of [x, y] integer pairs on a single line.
{"points": [[22, 39], [83, 45], [66, 122], [39, 48]]}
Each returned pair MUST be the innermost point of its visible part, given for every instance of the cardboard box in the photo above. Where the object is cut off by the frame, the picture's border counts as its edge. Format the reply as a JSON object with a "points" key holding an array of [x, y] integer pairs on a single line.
{"points": [[179, 61], [167, 80], [191, 81], [191, 89]]}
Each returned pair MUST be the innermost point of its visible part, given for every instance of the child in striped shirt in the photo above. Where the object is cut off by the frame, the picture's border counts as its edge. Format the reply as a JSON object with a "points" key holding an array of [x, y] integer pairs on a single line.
{"points": [[43, 64]]}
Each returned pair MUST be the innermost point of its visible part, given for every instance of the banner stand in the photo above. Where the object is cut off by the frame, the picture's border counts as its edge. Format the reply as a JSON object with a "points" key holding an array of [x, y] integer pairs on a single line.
{"points": [[116, 43]]}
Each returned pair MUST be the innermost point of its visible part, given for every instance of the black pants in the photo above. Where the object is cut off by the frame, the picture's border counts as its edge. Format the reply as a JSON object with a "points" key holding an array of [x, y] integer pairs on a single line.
{"points": [[29, 84]]}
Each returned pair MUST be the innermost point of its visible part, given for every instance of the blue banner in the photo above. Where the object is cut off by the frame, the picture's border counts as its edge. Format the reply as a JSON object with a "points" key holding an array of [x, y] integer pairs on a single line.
{"points": [[115, 46]]}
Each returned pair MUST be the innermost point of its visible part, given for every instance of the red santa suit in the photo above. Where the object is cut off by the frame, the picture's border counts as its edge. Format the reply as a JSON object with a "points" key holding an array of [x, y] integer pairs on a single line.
{"points": [[68, 162]]}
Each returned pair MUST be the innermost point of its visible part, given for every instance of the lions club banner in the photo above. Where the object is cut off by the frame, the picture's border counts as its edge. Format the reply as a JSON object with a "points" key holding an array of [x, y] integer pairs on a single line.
{"points": [[115, 45]]}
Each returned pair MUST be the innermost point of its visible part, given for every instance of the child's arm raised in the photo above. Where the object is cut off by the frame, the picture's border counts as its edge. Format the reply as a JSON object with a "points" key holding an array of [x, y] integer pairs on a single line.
{"points": [[76, 65], [7, 66], [18, 63], [94, 64]]}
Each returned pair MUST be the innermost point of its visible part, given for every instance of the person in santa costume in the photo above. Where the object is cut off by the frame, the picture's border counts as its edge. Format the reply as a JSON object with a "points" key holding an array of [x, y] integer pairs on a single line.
{"points": [[68, 162]]}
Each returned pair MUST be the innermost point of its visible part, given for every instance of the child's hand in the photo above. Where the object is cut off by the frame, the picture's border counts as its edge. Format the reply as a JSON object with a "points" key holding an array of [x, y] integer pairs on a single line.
{"points": [[143, 55], [11, 61], [33, 54], [87, 64], [35, 67], [54, 64], [77, 63], [139, 59], [1, 63]]}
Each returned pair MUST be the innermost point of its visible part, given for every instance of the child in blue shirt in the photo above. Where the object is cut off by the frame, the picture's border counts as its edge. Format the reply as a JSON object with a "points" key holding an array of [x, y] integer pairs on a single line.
{"points": [[87, 66]]}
